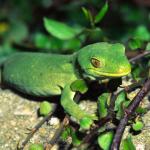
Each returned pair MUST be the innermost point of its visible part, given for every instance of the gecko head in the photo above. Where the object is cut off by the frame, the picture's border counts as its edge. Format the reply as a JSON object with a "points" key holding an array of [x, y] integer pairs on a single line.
{"points": [[104, 60]]}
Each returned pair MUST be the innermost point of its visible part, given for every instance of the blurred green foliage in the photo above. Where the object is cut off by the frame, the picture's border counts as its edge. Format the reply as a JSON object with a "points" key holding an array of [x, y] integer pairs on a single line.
{"points": [[127, 144], [64, 26], [84, 22]]}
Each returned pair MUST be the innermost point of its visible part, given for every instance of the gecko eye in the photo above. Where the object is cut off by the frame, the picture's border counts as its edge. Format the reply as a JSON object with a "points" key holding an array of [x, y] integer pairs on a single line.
{"points": [[95, 62]]}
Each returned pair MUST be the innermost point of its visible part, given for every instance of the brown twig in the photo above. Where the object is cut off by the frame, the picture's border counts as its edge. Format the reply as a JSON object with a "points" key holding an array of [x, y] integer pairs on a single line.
{"points": [[145, 53], [59, 131], [36, 128], [128, 112], [57, 134], [93, 133]]}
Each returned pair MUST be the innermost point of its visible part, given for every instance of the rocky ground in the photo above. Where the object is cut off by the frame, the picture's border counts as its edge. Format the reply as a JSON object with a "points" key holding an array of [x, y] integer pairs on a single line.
{"points": [[18, 114]]}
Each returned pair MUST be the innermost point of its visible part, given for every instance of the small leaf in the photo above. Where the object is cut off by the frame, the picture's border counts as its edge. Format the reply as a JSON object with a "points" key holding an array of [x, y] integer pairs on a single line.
{"points": [[136, 73], [86, 12], [142, 33], [141, 110], [70, 132], [88, 15], [71, 45], [101, 13], [59, 30], [102, 105], [120, 98], [45, 108], [75, 139], [135, 43], [80, 86], [105, 140], [66, 133], [127, 144], [95, 33], [120, 112], [36, 147], [42, 41], [86, 122], [148, 46], [137, 126]]}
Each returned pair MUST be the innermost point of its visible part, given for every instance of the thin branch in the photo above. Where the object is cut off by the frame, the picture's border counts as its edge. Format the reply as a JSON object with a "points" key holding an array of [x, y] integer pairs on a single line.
{"points": [[57, 134], [139, 56], [128, 112], [36, 128], [63, 124], [93, 133]]}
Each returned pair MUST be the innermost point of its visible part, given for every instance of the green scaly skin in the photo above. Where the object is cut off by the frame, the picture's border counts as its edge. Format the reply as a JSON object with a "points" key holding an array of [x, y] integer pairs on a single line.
{"points": [[50, 74]]}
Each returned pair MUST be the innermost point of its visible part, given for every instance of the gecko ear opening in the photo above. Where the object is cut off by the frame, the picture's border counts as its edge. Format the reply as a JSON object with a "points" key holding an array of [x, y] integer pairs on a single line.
{"points": [[118, 47]]}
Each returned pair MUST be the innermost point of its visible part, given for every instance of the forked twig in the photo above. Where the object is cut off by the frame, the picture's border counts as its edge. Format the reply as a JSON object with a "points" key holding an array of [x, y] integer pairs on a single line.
{"points": [[59, 131], [128, 112], [57, 134], [93, 133], [36, 128]]}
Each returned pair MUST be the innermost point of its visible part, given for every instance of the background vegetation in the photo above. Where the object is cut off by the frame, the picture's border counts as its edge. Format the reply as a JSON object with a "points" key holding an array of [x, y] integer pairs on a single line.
{"points": [[64, 26]]}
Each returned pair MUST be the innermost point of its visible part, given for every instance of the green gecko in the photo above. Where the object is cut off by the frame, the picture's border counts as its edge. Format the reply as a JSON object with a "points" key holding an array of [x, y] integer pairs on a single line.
{"points": [[42, 74]]}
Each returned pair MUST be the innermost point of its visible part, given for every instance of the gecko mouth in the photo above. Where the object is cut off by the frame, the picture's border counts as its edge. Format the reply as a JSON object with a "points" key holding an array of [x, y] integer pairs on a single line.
{"points": [[110, 74]]}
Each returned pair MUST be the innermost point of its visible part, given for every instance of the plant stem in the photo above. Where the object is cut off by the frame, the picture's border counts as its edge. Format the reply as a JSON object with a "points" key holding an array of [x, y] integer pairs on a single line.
{"points": [[128, 112]]}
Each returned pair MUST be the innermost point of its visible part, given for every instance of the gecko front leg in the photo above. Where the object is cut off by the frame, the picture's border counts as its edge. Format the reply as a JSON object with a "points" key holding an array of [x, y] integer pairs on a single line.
{"points": [[73, 108]]}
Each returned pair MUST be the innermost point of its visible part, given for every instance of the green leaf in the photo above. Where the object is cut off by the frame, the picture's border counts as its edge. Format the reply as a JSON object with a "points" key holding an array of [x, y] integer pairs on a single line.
{"points": [[45, 108], [88, 15], [142, 33], [36, 147], [101, 13], [137, 126], [42, 41], [75, 139], [86, 12], [148, 46], [120, 98], [136, 73], [70, 132], [80, 86], [127, 144], [141, 110], [86, 122], [59, 30], [95, 33], [71, 45], [102, 104], [66, 133], [120, 112], [105, 140], [135, 43]]}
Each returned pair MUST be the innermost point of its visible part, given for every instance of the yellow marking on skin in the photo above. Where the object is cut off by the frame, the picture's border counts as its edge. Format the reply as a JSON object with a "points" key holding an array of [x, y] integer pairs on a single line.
{"points": [[108, 74]]}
